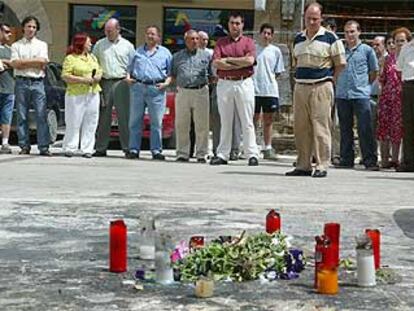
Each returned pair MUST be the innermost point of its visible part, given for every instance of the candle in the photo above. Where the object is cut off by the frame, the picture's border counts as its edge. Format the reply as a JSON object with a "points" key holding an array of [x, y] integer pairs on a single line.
{"points": [[332, 232], [196, 242], [375, 236], [365, 267], [117, 246], [273, 222], [328, 281], [163, 271], [204, 288]]}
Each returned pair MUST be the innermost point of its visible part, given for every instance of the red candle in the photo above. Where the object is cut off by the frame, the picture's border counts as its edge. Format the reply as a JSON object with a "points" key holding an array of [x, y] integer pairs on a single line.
{"points": [[375, 236], [332, 232], [196, 242], [273, 222], [118, 246]]}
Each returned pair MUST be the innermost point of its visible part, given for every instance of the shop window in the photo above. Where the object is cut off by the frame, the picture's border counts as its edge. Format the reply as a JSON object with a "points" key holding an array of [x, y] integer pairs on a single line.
{"points": [[92, 18], [178, 20]]}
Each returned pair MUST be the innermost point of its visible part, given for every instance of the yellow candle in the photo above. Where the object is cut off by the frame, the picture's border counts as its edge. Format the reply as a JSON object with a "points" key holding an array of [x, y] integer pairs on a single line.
{"points": [[327, 281]]}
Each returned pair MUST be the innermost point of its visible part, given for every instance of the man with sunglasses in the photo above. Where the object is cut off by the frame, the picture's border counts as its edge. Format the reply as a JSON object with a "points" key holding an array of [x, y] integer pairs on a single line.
{"points": [[6, 87]]}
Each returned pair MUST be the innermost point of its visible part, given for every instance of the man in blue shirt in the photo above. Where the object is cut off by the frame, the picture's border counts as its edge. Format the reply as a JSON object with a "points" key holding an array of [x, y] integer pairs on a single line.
{"points": [[353, 91], [149, 70]]}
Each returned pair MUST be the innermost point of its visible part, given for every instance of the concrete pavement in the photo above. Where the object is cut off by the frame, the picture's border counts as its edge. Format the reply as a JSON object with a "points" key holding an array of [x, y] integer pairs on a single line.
{"points": [[55, 215]]}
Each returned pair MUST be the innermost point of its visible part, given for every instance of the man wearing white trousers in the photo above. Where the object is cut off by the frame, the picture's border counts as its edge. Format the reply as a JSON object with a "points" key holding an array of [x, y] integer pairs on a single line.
{"points": [[234, 57], [190, 70]]}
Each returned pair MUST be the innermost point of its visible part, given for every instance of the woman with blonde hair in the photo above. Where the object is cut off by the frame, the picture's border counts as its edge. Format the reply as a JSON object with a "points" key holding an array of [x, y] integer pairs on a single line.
{"points": [[82, 74]]}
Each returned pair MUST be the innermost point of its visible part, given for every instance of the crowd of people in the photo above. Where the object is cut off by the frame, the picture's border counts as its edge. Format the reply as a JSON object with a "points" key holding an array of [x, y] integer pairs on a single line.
{"points": [[230, 90]]}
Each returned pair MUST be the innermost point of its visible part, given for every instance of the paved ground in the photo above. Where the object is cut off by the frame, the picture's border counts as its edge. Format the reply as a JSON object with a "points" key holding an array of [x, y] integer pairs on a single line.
{"points": [[55, 214]]}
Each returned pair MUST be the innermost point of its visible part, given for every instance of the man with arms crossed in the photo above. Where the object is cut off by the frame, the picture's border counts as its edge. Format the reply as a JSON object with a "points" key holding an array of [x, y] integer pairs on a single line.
{"points": [[234, 57]]}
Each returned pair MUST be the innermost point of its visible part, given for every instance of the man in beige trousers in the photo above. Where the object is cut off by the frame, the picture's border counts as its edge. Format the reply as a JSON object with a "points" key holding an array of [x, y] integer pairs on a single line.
{"points": [[190, 69]]}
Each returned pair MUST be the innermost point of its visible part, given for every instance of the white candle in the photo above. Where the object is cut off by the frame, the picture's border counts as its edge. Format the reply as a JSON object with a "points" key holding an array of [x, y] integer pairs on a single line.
{"points": [[365, 268], [147, 252], [163, 272]]}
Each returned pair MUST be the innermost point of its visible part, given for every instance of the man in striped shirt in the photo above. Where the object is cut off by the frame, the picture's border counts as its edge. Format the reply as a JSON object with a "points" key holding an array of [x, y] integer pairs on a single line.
{"points": [[319, 57]]}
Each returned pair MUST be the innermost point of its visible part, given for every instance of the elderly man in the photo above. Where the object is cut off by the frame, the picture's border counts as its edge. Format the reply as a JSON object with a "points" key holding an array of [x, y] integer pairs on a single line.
{"points": [[149, 71], [190, 70], [405, 64], [6, 87], [113, 53], [353, 97], [29, 58], [234, 57], [319, 56]]}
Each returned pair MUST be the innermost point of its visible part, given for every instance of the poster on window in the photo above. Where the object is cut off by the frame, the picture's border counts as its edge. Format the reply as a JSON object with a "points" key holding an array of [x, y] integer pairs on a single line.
{"points": [[92, 18], [178, 20]]}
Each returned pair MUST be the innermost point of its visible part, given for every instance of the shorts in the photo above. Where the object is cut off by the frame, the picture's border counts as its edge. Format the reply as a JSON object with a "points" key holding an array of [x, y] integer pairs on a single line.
{"points": [[6, 108], [266, 104]]}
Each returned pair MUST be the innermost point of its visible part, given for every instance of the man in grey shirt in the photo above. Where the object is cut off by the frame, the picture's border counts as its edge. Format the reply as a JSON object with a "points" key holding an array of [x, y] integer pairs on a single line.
{"points": [[191, 72], [6, 87], [113, 53]]}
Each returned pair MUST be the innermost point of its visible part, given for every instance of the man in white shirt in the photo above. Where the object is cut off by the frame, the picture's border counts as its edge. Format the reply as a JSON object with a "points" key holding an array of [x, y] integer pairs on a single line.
{"points": [[29, 58], [269, 66], [113, 53], [405, 64]]}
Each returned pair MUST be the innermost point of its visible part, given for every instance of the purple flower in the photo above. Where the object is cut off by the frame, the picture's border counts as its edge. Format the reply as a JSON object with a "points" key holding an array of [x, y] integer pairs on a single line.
{"points": [[179, 252]]}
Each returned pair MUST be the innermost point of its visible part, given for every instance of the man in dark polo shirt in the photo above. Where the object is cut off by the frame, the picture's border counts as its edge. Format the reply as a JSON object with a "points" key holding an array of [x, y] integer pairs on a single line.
{"points": [[234, 57], [190, 69]]}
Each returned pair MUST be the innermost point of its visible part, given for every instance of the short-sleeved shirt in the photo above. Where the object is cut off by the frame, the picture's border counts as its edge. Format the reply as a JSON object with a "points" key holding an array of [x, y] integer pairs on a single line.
{"points": [[6, 76], [229, 47], [28, 49], [150, 66], [269, 63], [405, 62], [353, 81], [191, 69], [81, 66], [114, 57], [315, 58]]}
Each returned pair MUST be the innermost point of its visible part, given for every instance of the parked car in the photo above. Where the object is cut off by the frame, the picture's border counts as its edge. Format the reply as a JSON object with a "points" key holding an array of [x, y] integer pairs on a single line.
{"points": [[168, 123], [55, 89]]}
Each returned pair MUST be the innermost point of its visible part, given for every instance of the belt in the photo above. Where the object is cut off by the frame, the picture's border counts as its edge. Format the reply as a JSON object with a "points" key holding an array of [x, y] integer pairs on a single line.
{"points": [[314, 83], [409, 81], [113, 79], [235, 78], [151, 82], [29, 78], [196, 87]]}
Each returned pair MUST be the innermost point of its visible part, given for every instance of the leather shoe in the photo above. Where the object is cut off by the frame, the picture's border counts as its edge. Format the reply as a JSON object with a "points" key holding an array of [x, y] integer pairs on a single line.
{"points": [[201, 160], [253, 162], [344, 165], [87, 155], [372, 167], [181, 159], [158, 156], [320, 174], [24, 150], [403, 168], [297, 172], [45, 153], [132, 155], [99, 153], [218, 161]]}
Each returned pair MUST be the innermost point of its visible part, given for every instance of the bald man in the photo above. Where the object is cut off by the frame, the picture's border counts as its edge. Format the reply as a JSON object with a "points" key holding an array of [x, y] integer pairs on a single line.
{"points": [[113, 53]]}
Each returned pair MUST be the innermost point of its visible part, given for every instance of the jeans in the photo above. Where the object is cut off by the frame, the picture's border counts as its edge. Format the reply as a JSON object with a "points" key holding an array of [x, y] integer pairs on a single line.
{"points": [[146, 96], [31, 92], [362, 109], [6, 108]]}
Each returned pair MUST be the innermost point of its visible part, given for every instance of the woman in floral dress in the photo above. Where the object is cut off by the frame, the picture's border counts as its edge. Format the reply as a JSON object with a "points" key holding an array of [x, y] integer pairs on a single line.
{"points": [[390, 130]]}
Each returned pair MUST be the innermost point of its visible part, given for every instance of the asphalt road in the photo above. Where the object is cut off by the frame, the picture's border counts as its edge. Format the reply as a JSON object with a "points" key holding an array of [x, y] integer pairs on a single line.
{"points": [[55, 215]]}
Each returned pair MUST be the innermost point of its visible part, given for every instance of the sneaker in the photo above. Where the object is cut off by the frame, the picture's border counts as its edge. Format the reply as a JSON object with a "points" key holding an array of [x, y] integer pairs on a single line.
{"points": [[218, 161], [87, 155], [5, 149], [253, 162], [132, 155], [68, 154], [181, 159], [25, 150], [201, 160], [99, 153], [45, 153], [269, 154], [158, 156], [344, 165], [404, 168], [320, 174], [234, 155], [372, 167]]}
